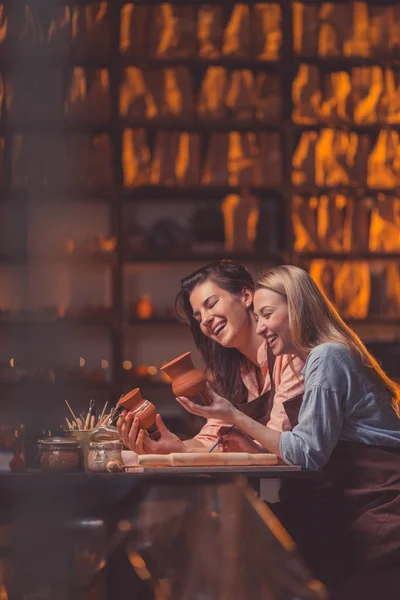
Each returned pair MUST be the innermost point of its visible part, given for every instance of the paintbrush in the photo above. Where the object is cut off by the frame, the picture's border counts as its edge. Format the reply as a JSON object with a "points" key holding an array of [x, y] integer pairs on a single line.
{"points": [[219, 439]]}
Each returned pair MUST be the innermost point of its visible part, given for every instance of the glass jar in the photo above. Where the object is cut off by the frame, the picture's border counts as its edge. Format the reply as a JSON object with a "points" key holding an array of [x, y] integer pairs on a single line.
{"points": [[59, 454], [100, 453]]}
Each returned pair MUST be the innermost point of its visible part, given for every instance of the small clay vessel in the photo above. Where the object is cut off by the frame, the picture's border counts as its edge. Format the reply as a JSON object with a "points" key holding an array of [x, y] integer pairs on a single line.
{"points": [[144, 410], [186, 379]]}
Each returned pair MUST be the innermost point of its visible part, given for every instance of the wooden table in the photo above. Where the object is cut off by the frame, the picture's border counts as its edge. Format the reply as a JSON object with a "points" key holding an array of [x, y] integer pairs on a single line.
{"points": [[44, 515], [267, 480]]}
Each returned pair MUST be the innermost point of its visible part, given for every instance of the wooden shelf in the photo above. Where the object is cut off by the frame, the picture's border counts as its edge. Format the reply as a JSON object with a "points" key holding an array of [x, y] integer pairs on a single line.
{"points": [[347, 62], [48, 386], [13, 259], [346, 256], [370, 2], [56, 322], [129, 258], [67, 193], [370, 129], [56, 126], [41, 57], [175, 2], [25, 57], [375, 320], [200, 125], [156, 321], [196, 192], [355, 191], [193, 62]]}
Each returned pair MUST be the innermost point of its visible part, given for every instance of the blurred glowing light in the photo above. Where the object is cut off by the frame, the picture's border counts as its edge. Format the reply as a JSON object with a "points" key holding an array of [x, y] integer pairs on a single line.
{"points": [[136, 560], [127, 365], [124, 525], [70, 246], [82, 362], [104, 363], [152, 370], [12, 364]]}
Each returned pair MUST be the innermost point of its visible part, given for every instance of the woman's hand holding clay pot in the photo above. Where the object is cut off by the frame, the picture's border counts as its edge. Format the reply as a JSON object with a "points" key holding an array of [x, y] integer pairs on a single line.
{"points": [[220, 408], [237, 441], [139, 440]]}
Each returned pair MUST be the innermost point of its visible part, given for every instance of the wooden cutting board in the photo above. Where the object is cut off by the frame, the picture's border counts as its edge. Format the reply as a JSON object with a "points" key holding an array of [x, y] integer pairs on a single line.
{"points": [[200, 459]]}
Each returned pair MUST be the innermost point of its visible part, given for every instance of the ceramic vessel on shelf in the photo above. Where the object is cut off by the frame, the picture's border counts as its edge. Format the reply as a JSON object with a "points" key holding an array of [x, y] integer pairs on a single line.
{"points": [[144, 410], [186, 379], [101, 453], [59, 454]]}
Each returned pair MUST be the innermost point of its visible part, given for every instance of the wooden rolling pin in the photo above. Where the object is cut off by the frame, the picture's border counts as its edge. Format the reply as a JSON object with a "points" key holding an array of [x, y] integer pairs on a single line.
{"points": [[199, 459]]}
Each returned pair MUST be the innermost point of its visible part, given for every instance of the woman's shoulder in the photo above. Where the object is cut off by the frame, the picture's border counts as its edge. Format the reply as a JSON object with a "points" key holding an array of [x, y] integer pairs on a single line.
{"points": [[329, 363], [330, 351]]}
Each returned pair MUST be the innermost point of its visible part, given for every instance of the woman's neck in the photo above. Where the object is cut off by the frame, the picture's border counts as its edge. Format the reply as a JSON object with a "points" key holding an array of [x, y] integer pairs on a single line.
{"points": [[250, 343]]}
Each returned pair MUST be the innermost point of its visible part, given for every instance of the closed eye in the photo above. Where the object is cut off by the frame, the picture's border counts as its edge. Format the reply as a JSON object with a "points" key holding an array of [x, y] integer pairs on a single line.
{"points": [[208, 306]]}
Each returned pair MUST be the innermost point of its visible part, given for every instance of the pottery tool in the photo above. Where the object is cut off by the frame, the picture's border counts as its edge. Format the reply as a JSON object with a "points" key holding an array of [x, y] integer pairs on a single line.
{"points": [[82, 423], [102, 413], [70, 410], [219, 439], [89, 414]]}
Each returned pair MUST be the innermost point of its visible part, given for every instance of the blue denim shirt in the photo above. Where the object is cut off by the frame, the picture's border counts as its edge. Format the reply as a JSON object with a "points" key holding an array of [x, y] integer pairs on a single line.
{"points": [[341, 402]]}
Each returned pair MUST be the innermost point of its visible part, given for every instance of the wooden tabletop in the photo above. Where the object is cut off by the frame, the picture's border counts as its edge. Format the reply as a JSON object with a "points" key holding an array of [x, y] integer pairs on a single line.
{"points": [[275, 471]]}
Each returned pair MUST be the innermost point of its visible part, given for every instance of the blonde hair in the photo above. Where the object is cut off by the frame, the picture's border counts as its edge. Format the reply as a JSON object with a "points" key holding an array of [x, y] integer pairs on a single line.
{"points": [[314, 320]]}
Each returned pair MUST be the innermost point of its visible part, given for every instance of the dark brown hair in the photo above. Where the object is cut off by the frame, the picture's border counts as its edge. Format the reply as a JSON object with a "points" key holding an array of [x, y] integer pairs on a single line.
{"points": [[223, 363]]}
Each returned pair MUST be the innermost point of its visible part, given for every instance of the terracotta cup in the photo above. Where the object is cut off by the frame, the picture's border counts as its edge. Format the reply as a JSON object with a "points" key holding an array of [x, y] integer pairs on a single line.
{"points": [[141, 408], [186, 379]]}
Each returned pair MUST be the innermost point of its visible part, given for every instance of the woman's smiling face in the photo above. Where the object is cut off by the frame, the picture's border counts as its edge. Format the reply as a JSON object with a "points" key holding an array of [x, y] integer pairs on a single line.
{"points": [[272, 316], [223, 317]]}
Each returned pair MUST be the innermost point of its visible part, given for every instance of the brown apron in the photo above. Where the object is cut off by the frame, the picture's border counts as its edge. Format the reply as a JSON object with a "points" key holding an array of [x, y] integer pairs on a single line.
{"points": [[347, 525], [260, 408]]}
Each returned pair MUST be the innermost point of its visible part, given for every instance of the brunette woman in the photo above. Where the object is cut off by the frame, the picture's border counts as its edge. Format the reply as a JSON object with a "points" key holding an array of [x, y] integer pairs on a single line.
{"points": [[348, 527], [217, 302]]}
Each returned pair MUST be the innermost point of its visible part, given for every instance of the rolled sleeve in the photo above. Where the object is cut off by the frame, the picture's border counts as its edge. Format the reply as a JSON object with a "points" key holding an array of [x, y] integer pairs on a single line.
{"points": [[208, 434], [311, 442]]}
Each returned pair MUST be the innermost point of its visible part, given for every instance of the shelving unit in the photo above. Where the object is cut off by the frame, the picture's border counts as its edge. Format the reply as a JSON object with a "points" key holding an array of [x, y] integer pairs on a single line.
{"points": [[89, 54]]}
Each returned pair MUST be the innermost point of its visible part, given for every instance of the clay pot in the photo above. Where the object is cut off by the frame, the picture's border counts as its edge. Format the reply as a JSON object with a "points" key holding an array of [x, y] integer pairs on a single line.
{"points": [[186, 379], [141, 408]]}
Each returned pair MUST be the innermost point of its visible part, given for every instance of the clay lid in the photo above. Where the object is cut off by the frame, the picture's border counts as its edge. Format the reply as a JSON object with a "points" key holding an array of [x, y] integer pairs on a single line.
{"points": [[106, 445], [130, 400], [56, 443]]}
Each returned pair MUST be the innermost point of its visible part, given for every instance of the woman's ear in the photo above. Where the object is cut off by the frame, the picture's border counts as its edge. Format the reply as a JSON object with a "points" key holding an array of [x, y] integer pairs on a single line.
{"points": [[247, 297]]}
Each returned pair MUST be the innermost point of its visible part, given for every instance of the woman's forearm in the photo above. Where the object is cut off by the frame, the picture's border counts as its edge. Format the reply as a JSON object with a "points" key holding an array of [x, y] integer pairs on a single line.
{"points": [[194, 446], [268, 438]]}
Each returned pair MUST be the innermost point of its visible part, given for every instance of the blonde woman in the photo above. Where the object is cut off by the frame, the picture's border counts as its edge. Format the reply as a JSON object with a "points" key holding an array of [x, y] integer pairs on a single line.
{"points": [[348, 426]]}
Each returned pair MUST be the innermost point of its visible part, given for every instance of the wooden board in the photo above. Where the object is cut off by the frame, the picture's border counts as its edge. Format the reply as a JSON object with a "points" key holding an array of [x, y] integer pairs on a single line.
{"points": [[205, 459]]}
